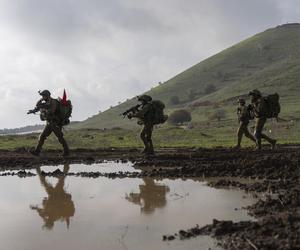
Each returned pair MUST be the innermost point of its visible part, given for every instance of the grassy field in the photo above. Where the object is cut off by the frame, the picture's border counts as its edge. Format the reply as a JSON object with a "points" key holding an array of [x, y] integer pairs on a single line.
{"points": [[204, 134]]}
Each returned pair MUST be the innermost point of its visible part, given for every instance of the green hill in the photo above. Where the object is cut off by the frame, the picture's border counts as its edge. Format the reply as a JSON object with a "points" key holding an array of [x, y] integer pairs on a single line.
{"points": [[269, 61]]}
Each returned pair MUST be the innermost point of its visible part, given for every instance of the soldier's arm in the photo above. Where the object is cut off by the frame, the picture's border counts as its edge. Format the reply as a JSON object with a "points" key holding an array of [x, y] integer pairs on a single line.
{"points": [[141, 113]]}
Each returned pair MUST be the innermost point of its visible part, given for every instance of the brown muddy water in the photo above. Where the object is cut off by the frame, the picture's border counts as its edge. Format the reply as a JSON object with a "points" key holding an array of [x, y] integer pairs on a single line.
{"points": [[83, 213]]}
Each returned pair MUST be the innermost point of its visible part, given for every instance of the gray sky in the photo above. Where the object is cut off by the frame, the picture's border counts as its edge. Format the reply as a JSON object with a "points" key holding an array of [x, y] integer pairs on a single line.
{"points": [[104, 52]]}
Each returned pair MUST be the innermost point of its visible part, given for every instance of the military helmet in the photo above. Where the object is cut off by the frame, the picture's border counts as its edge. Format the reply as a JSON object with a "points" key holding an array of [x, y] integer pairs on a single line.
{"points": [[241, 100], [255, 92], [45, 93], [145, 98]]}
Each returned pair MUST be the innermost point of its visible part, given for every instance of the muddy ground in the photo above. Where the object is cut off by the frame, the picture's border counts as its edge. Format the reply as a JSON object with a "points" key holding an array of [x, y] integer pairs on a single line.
{"points": [[277, 210]]}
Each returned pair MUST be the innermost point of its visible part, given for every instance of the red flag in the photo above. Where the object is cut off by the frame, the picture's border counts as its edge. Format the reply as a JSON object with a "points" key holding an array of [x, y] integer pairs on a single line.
{"points": [[64, 99]]}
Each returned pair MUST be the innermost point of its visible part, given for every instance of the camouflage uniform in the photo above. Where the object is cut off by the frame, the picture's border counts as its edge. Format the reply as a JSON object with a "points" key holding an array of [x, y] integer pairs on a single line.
{"points": [[146, 116], [244, 119], [53, 125], [260, 110]]}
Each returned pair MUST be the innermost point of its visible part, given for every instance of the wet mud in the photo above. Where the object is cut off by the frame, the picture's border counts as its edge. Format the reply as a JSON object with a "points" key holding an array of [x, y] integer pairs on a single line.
{"points": [[275, 175]]}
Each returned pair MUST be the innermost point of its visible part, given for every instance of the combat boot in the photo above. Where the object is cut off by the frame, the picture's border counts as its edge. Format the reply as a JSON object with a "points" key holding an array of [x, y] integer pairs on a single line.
{"points": [[273, 144], [66, 153]]}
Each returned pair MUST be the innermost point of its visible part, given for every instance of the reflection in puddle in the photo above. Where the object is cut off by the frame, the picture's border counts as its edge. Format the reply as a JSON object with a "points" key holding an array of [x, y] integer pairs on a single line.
{"points": [[58, 205], [150, 196], [127, 213]]}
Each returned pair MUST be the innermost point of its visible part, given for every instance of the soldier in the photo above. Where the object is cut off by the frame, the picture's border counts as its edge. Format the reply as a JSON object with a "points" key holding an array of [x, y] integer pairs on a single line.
{"points": [[146, 118], [244, 118], [49, 112], [260, 111]]}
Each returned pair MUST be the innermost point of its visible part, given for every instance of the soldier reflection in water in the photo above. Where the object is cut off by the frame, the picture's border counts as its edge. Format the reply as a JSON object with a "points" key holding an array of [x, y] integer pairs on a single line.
{"points": [[58, 205], [151, 196]]}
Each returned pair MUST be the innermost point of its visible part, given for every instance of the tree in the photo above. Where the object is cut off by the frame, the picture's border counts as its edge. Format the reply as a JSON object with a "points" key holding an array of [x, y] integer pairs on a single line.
{"points": [[210, 88], [174, 100], [179, 116]]}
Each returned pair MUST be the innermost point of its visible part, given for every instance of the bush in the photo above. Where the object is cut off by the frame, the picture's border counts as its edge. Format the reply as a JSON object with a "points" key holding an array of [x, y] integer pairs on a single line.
{"points": [[217, 115], [179, 116], [174, 100], [210, 88]]}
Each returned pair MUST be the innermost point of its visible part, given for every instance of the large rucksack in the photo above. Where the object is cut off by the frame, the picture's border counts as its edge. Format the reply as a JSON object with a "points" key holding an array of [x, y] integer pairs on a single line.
{"points": [[159, 116], [64, 111], [273, 105]]}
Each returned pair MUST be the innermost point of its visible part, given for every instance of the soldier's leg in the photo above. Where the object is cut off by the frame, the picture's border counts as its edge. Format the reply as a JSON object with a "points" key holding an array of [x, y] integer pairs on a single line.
{"points": [[260, 135], [240, 133], [60, 136], [260, 122], [149, 131], [43, 136], [143, 137], [249, 135], [269, 140]]}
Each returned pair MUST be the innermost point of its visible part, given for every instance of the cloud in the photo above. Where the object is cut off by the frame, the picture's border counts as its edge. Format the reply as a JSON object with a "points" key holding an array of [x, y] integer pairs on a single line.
{"points": [[104, 52]]}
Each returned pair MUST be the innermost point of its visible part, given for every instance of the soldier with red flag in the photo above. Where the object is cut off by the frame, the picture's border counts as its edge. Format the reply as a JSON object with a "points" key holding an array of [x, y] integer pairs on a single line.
{"points": [[52, 112]]}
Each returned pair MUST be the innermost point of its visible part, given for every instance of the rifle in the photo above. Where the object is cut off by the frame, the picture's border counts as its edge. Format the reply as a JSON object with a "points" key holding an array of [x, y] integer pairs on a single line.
{"points": [[132, 110], [41, 104]]}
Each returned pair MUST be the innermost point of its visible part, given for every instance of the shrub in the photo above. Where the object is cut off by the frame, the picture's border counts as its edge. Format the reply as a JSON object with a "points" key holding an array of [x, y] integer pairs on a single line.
{"points": [[179, 116]]}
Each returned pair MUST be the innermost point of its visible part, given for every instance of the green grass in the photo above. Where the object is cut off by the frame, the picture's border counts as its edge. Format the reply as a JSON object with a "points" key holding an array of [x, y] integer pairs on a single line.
{"points": [[204, 134]]}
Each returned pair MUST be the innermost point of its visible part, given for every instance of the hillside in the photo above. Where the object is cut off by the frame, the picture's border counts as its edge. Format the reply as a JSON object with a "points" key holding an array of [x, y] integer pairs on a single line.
{"points": [[269, 61]]}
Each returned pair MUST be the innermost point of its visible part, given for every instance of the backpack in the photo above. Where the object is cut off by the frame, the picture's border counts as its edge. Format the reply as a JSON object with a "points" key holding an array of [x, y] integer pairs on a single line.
{"points": [[64, 111], [273, 105], [159, 117]]}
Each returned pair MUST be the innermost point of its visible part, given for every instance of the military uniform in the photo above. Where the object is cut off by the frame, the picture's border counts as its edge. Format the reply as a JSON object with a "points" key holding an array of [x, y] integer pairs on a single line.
{"points": [[53, 124], [260, 110], [146, 116], [244, 119]]}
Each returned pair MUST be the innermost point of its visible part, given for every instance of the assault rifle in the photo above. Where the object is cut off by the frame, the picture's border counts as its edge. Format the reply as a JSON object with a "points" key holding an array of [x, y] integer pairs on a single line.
{"points": [[41, 104], [132, 110]]}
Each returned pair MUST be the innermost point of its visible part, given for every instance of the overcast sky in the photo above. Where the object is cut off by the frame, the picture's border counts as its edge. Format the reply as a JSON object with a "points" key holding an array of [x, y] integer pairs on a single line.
{"points": [[103, 52]]}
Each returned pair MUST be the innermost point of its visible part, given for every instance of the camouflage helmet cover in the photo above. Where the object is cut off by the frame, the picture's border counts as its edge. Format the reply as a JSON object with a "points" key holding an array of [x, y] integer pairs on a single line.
{"points": [[145, 98], [45, 93], [255, 92]]}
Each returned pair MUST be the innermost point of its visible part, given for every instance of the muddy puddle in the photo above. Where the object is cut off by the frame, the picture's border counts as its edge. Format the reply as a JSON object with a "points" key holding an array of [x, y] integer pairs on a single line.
{"points": [[66, 212]]}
